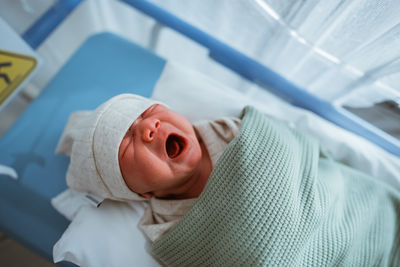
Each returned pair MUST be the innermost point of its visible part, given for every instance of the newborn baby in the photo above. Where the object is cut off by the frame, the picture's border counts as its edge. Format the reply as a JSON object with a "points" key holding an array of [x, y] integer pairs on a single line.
{"points": [[134, 148], [274, 198]]}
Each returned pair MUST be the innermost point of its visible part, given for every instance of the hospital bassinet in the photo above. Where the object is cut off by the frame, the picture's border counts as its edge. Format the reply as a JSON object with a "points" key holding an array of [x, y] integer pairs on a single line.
{"points": [[103, 66]]}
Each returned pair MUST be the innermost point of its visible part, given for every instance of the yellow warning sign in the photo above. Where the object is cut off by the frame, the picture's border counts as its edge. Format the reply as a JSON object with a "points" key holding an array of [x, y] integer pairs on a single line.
{"points": [[14, 68]]}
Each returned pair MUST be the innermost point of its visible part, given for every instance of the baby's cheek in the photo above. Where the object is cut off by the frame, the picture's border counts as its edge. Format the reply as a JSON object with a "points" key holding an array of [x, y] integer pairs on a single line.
{"points": [[165, 171]]}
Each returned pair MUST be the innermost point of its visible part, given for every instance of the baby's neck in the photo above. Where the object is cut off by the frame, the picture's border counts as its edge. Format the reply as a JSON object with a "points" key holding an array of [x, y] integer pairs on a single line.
{"points": [[205, 169]]}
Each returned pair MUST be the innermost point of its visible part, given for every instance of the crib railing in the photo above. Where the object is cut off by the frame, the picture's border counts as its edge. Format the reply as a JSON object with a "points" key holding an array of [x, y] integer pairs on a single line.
{"points": [[233, 59]]}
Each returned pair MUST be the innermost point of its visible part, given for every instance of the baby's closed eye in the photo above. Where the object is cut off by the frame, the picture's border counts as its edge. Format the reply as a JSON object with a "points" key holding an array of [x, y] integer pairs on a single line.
{"points": [[126, 141]]}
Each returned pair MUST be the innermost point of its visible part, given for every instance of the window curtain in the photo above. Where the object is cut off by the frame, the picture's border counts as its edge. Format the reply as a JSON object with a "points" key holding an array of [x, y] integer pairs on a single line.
{"points": [[344, 51]]}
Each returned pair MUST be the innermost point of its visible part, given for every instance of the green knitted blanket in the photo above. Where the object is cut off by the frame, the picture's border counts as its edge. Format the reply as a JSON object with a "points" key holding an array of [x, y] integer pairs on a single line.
{"points": [[273, 200]]}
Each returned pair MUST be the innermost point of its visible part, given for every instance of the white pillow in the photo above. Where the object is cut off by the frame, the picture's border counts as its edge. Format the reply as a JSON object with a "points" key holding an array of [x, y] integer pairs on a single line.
{"points": [[109, 236], [105, 236]]}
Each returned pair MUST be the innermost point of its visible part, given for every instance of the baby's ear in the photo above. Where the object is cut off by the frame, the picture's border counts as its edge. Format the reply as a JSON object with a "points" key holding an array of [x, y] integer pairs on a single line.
{"points": [[147, 195]]}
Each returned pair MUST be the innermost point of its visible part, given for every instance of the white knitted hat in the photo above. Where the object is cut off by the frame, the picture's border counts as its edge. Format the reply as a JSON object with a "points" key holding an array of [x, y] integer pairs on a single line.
{"points": [[92, 139]]}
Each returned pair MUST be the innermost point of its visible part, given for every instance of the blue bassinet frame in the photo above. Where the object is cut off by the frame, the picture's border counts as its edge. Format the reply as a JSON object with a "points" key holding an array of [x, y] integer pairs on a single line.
{"points": [[270, 80], [235, 60]]}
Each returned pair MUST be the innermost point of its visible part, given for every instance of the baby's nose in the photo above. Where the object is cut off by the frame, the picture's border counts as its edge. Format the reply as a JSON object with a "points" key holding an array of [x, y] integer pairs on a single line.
{"points": [[150, 130]]}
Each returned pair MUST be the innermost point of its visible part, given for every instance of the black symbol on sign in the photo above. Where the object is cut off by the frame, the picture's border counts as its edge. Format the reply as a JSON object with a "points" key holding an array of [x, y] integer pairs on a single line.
{"points": [[4, 75]]}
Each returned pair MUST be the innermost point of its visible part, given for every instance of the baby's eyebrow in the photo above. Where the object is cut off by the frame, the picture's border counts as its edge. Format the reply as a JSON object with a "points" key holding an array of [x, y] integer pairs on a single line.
{"points": [[149, 110]]}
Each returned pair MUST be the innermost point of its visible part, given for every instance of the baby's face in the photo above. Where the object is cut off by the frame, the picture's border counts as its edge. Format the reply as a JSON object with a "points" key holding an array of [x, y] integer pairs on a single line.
{"points": [[159, 153]]}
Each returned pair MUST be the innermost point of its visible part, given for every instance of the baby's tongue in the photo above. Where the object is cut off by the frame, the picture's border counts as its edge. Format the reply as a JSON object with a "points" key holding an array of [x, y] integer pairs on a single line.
{"points": [[172, 147]]}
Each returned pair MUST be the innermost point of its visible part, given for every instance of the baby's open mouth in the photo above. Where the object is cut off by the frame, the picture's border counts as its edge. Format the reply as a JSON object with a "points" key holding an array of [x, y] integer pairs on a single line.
{"points": [[174, 145]]}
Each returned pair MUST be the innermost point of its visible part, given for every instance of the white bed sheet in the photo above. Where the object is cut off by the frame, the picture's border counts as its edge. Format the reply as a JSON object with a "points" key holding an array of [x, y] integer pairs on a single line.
{"points": [[109, 236]]}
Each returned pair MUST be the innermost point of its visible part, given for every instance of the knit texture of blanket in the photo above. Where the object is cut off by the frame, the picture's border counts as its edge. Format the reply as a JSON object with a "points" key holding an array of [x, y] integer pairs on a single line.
{"points": [[273, 200]]}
